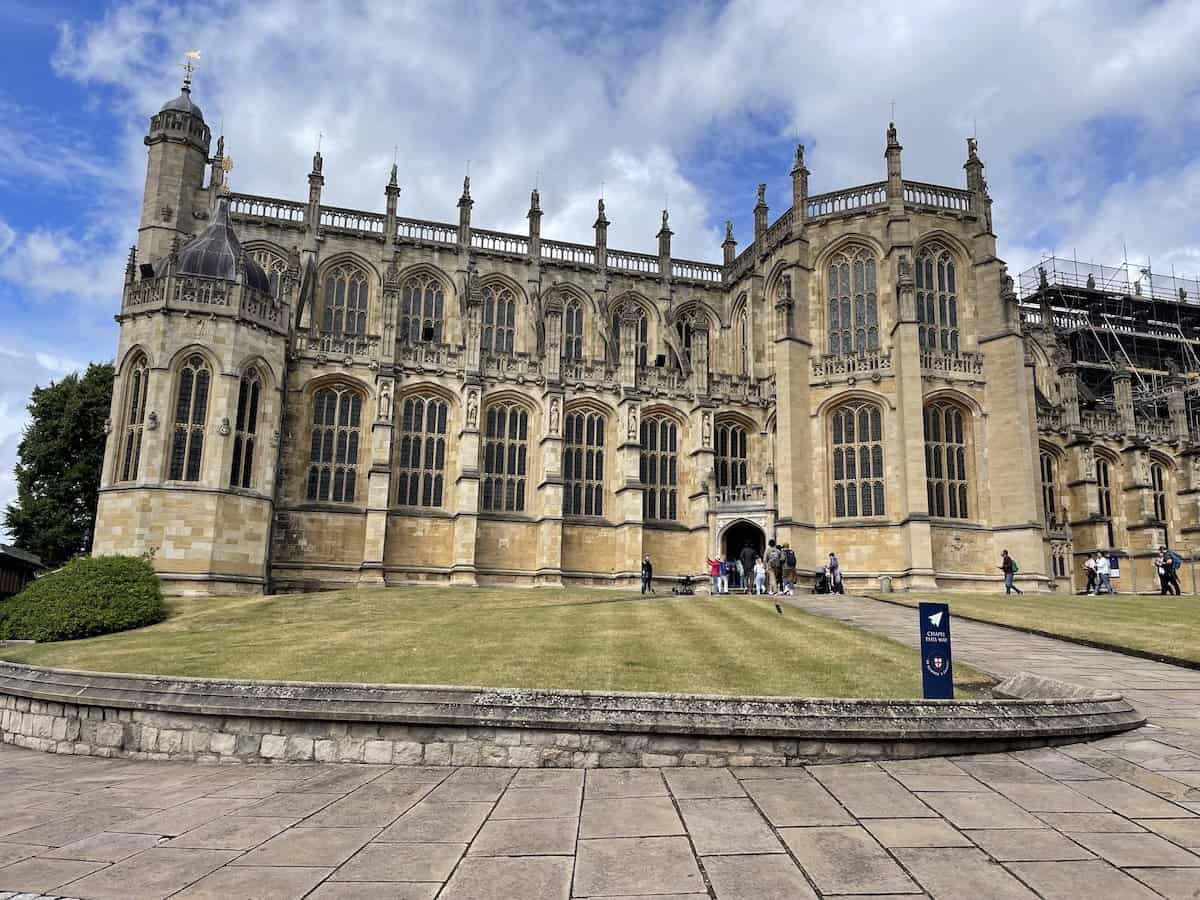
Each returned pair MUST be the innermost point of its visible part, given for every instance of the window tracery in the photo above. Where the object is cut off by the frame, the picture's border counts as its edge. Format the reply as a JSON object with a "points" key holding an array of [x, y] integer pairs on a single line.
{"points": [[333, 458], [937, 300], [946, 478], [191, 414], [421, 478], [137, 388], [853, 303], [732, 464], [858, 474], [572, 345], [583, 464], [245, 430], [641, 333], [422, 303], [505, 450], [345, 312], [659, 468], [499, 319]]}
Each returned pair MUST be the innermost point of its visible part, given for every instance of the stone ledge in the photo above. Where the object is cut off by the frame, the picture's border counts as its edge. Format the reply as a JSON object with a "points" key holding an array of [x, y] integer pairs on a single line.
{"points": [[223, 719]]}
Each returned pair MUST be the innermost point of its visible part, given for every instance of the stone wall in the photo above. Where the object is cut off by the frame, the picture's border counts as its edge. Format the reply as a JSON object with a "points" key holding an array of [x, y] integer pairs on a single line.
{"points": [[145, 717]]}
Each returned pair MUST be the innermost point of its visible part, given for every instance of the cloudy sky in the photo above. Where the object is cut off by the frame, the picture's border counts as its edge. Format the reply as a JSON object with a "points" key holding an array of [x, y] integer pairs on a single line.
{"points": [[1086, 114]]}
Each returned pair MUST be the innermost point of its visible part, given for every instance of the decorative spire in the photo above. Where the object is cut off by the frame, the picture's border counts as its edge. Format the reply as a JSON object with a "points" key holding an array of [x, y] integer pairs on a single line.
{"points": [[601, 218], [729, 245], [665, 227], [535, 201], [760, 213], [392, 181], [798, 166], [761, 199], [892, 138], [189, 58], [466, 194], [729, 230], [318, 162]]}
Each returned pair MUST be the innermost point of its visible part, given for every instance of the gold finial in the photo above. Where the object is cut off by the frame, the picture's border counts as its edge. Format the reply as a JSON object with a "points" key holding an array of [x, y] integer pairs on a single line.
{"points": [[226, 167], [190, 56]]}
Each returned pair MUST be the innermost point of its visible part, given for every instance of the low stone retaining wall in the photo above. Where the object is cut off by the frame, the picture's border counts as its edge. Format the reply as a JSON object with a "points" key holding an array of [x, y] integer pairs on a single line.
{"points": [[147, 717]]}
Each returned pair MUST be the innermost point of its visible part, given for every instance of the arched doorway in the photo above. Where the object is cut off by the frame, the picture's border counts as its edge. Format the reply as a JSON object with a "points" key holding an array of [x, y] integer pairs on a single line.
{"points": [[738, 535]]}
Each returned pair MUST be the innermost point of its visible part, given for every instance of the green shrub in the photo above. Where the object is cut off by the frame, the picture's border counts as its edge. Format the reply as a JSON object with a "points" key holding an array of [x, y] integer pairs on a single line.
{"points": [[87, 597]]}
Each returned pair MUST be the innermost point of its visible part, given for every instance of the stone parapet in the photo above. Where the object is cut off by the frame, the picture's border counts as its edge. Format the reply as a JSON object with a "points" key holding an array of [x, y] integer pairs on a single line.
{"points": [[253, 721]]}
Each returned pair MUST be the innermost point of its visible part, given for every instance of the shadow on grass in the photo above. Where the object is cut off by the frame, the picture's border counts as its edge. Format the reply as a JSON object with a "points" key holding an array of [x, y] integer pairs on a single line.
{"points": [[639, 599]]}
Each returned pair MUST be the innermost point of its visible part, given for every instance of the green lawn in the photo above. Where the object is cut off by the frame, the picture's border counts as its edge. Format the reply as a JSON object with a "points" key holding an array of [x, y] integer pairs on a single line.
{"points": [[1169, 626], [585, 639]]}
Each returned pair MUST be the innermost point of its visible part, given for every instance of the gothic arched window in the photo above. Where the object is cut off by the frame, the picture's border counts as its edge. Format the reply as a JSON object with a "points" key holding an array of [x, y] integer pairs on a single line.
{"points": [[683, 328], [275, 266], [659, 468], [345, 311], [136, 387], [421, 309], [1049, 489], [937, 301], [191, 414], [572, 345], [732, 466], [641, 335], [499, 319], [333, 459], [1105, 496], [853, 303], [946, 476], [1158, 489], [245, 430], [583, 464], [858, 477], [421, 474], [741, 333], [505, 448]]}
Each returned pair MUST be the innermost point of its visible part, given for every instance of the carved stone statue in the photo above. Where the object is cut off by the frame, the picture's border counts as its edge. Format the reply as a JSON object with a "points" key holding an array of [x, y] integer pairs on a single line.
{"points": [[108, 426], [554, 415], [632, 433], [385, 402], [902, 266], [1087, 463], [224, 429], [152, 421], [785, 287], [972, 148], [762, 195], [473, 409], [707, 429]]}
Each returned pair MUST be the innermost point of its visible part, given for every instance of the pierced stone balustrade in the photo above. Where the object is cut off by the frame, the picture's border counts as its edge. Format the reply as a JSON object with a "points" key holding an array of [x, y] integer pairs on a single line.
{"points": [[875, 362], [563, 252], [742, 496], [849, 200], [419, 231], [627, 261], [266, 209], [661, 380], [499, 242], [943, 364], [352, 221], [423, 356], [356, 348], [918, 193]]}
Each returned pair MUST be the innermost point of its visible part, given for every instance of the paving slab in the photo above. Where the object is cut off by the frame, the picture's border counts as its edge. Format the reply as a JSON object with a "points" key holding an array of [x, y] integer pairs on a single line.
{"points": [[846, 860], [401, 862], [915, 833], [768, 877], [257, 882], [181, 818], [1124, 850], [1022, 845], [232, 833], [870, 794], [700, 784], [11, 853], [1065, 880], [613, 783], [549, 778], [473, 784], [1174, 884], [379, 890], [961, 874], [289, 805], [108, 847], [455, 822], [1185, 832], [367, 807], [651, 865], [150, 875], [537, 803], [306, 846], [629, 817], [38, 875], [727, 826], [526, 837], [530, 878], [1045, 797], [797, 802], [980, 810], [1127, 800], [1069, 823]]}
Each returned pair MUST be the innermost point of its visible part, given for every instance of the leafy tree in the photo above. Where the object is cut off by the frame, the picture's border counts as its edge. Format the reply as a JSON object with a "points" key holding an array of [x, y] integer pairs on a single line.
{"points": [[58, 466]]}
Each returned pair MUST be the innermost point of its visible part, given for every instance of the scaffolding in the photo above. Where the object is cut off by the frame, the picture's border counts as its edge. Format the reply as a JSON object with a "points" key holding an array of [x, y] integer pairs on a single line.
{"points": [[1117, 319]]}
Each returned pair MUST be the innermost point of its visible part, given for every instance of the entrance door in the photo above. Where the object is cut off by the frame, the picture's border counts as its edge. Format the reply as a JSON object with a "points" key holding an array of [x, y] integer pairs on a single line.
{"points": [[741, 534]]}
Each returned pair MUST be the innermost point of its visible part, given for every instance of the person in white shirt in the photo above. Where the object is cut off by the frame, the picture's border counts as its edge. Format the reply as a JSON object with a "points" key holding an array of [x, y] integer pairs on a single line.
{"points": [[1089, 566], [1103, 573]]}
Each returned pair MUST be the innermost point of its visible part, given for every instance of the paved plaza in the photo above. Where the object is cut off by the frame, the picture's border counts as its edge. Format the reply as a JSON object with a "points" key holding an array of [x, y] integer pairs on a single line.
{"points": [[1115, 818]]}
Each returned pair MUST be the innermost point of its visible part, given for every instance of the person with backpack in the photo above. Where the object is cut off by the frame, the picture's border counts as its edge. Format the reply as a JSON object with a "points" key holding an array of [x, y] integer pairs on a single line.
{"points": [[1009, 567], [1170, 563], [1089, 568], [774, 568], [789, 570], [748, 556]]}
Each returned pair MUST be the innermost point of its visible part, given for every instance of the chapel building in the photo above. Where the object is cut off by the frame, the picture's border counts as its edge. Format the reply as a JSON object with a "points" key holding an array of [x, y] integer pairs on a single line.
{"points": [[312, 397]]}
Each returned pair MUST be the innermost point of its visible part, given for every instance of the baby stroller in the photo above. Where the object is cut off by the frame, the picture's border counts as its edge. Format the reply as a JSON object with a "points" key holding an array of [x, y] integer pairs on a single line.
{"points": [[821, 582], [684, 587]]}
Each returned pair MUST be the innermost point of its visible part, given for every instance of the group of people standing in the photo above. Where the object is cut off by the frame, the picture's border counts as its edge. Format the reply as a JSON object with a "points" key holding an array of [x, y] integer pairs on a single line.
{"points": [[752, 573], [1099, 574]]}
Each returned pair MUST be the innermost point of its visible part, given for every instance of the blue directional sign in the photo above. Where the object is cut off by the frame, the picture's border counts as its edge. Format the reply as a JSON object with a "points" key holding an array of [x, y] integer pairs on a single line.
{"points": [[937, 672]]}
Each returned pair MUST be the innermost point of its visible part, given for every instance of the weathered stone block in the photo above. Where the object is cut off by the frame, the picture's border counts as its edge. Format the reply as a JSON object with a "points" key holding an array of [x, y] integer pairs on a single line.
{"points": [[659, 760], [522, 757], [110, 734], [274, 746], [222, 744], [407, 753], [248, 745], [377, 752], [464, 754], [437, 754], [350, 749], [325, 750], [299, 748]]}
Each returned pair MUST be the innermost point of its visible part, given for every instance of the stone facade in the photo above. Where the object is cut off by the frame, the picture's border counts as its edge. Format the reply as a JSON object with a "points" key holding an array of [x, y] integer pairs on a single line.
{"points": [[449, 404]]}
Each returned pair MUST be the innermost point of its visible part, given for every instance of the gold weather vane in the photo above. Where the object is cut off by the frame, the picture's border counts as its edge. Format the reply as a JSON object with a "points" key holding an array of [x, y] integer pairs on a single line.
{"points": [[226, 167], [190, 56]]}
